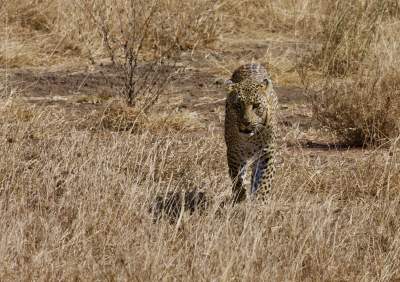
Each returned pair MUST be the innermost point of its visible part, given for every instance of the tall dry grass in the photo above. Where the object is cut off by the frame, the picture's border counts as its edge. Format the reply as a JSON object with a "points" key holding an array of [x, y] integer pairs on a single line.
{"points": [[75, 205], [299, 18], [77, 188], [357, 95], [51, 31]]}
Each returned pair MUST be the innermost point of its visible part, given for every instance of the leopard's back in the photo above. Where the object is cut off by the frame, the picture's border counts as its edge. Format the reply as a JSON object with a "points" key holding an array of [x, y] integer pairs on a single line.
{"points": [[251, 71]]}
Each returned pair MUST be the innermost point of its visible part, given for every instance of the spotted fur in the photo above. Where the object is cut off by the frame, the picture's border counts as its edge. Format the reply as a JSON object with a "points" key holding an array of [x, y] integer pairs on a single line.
{"points": [[250, 130]]}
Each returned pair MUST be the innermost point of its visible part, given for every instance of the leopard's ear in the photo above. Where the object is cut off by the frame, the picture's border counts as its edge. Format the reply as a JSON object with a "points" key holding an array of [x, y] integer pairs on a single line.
{"points": [[267, 85], [228, 85]]}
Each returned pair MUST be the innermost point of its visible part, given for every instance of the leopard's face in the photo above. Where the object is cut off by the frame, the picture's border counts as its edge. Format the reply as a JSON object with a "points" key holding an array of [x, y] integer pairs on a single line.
{"points": [[248, 104]]}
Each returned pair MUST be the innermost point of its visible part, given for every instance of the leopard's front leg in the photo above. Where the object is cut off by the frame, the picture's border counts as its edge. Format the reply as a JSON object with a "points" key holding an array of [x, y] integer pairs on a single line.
{"points": [[263, 174], [237, 172]]}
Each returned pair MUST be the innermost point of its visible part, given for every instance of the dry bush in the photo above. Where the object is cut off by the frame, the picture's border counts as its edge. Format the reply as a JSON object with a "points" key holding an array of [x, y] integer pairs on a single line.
{"points": [[365, 112], [137, 32], [358, 95], [74, 205]]}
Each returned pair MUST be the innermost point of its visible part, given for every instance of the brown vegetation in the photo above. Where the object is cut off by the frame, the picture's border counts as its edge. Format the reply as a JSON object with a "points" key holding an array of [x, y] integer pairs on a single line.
{"points": [[93, 188], [359, 98]]}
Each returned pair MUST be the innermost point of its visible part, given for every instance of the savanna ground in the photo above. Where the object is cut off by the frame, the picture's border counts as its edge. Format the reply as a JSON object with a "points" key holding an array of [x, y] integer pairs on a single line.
{"points": [[88, 179]]}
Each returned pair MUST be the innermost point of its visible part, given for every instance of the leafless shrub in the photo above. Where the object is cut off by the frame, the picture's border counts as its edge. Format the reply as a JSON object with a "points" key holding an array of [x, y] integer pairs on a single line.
{"points": [[363, 112], [357, 95], [124, 27], [141, 38]]}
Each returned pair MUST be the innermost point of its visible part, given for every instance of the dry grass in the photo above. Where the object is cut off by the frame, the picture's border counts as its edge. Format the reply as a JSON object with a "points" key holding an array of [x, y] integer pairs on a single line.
{"points": [[75, 203], [49, 32], [117, 116], [357, 96], [363, 112], [53, 31], [80, 180], [299, 18]]}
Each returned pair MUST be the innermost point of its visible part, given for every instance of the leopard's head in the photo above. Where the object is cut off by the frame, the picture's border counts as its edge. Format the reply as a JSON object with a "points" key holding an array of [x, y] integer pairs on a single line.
{"points": [[248, 103]]}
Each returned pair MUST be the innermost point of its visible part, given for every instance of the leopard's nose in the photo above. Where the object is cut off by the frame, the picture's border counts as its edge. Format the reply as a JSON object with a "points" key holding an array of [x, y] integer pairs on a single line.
{"points": [[246, 122]]}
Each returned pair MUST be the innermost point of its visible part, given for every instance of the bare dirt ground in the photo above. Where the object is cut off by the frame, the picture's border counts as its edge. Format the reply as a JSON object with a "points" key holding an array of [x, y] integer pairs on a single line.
{"points": [[197, 87]]}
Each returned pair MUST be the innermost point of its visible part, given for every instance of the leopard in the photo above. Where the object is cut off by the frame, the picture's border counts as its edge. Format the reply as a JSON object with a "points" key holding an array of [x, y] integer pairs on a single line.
{"points": [[251, 131]]}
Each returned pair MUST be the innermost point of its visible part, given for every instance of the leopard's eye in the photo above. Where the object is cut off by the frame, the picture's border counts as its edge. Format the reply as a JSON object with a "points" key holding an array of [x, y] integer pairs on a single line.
{"points": [[256, 106]]}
